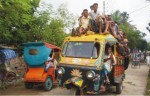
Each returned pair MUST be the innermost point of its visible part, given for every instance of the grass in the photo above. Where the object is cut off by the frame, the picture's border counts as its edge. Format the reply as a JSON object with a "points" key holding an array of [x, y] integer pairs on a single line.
{"points": [[147, 91]]}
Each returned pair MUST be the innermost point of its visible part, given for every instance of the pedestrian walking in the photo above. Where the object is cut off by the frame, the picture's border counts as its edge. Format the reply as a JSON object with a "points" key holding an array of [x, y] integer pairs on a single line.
{"points": [[148, 59]]}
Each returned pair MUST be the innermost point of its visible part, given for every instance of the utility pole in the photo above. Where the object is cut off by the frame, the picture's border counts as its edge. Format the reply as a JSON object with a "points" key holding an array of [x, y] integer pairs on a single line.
{"points": [[104, 7]]}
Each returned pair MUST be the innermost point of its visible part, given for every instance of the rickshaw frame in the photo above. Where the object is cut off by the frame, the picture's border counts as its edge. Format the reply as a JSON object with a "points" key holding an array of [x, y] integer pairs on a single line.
{"points": [[47, 78]]}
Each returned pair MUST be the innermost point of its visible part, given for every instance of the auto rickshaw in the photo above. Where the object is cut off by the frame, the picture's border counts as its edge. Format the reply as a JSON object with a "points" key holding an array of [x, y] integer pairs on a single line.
{"points": [[82, 62], [35, 56]]}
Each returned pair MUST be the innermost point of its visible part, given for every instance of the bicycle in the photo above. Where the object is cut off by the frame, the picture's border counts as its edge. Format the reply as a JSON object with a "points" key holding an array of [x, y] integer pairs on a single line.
{"points": [[135, 63], [8, 77]]}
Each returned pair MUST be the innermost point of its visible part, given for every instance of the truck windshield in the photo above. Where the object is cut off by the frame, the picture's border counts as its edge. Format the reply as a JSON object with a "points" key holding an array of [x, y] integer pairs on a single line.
{"points": [[80, 50]]}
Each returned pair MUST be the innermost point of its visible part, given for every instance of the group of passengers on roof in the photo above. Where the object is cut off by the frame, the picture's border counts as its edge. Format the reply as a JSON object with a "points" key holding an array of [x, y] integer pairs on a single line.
{"points": [[99, 24]]}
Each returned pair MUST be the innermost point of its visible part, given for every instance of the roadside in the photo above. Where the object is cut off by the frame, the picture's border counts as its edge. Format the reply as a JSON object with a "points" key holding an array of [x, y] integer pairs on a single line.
{"points": [[134, 84], [136, 80], [147, 91]]}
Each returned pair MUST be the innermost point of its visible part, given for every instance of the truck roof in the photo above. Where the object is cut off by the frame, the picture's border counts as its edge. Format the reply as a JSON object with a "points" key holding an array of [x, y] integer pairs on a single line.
{"points": [[94, 37]]}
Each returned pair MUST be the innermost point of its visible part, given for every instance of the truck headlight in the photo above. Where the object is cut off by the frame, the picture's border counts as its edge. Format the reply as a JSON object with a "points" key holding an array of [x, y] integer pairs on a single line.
{"points": [[61, 70], [90, 75]]}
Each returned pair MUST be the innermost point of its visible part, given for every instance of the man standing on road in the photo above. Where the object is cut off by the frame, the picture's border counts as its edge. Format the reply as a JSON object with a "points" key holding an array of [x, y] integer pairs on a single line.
{"points": [[148, 59]]}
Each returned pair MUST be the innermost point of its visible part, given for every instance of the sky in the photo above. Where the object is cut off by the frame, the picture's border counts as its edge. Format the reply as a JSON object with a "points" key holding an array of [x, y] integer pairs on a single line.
{"points": [[139, 10]]}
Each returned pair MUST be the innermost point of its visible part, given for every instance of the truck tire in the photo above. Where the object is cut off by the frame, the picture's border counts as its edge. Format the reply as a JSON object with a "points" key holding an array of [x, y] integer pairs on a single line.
{"points": [[48, 84], [79, 92]]}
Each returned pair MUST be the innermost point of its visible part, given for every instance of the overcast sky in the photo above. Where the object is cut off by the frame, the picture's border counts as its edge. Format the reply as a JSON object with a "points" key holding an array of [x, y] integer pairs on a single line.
{"points": [[139, 10]]}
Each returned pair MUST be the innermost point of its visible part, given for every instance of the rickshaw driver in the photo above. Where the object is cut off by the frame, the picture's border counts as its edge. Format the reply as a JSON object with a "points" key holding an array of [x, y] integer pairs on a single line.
{"points": [[49, 64]]}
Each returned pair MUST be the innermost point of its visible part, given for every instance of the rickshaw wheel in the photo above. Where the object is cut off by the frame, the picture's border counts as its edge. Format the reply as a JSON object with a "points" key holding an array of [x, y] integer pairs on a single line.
{"points": [[9, 79], [28, 85], [119, 88], [48, 84]]}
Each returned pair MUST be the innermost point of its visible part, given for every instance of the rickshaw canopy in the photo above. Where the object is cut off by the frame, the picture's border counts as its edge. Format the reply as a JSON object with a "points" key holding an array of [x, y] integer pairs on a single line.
{"points": [[36, 53]]}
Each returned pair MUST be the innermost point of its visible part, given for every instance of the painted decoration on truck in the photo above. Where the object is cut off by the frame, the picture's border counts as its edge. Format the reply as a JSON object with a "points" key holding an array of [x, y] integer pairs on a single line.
{"points": [[76, 73]]}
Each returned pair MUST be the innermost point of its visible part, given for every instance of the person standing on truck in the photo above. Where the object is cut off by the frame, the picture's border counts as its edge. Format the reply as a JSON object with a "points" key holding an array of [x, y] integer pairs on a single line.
{"points": [[148, 59], [127, 55], [109, 60]]}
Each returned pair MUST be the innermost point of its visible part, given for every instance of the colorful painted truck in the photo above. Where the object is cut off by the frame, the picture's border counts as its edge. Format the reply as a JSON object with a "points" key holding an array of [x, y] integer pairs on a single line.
{"points": [[81, 64]]}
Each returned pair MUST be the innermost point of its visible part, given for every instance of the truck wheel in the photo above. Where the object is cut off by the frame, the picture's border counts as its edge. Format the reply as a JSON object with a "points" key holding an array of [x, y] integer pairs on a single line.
{"points": [[78, 92], [48, 84], [119, 88], [29, 85]]}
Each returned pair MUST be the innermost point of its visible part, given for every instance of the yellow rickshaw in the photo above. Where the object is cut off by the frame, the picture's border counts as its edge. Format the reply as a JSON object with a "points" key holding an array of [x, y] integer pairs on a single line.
{"points": [[82, 61]]}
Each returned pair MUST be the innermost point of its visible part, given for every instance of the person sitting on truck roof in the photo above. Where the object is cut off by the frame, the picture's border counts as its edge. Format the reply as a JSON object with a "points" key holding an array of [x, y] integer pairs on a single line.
{"points": [[104, 24], [95, 22], [127, 55], [124, 35], [121, 35], [114, 30], [84, 22], [79, 19], [92, 9], [109, 25]]}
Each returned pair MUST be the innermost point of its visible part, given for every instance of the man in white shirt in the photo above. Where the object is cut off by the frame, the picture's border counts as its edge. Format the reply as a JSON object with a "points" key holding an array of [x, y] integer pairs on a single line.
{"points": [[95, 16], [148, 59], [49, 63], [92, 9]]}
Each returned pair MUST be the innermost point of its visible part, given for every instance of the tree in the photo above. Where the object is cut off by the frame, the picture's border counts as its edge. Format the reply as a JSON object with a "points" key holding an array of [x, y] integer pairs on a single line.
{"points": [[148, 46], [21, 21], [49, 25], [116, 16], [148, 28], [119, 17], [15, 20], [64, 15]]}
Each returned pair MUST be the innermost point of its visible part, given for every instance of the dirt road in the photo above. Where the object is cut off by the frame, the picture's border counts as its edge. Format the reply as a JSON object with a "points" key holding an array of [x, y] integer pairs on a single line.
{"points": [[134, 84]]}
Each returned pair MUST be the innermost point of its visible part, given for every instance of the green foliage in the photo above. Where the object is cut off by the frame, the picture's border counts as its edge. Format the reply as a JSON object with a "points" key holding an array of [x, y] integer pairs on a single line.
{"points": [[50, 25], [15, 19], [21, 21], [147, 91], [148, 46]]}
